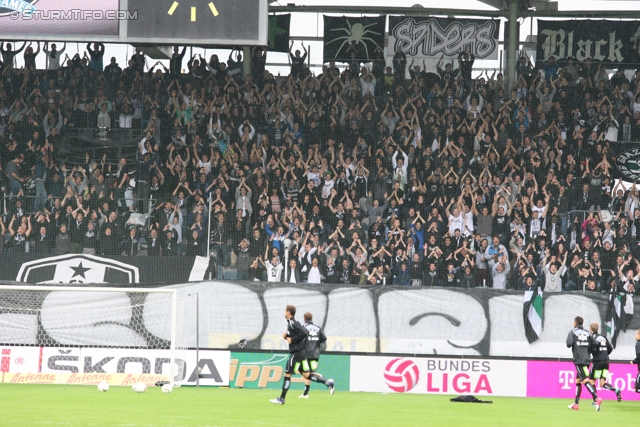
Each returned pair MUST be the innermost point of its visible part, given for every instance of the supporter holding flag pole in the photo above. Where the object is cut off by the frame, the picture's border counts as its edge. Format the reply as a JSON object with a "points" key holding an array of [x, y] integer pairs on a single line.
{"points": [[612, 316], [628, 291], [620, 307], [532, 310]]}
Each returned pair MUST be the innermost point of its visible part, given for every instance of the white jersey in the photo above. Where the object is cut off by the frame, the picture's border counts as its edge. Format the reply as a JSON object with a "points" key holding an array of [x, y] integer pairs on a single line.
{"points": [[539, 210], [314, 275], [468, 222], [273, 273], [456, 223]]}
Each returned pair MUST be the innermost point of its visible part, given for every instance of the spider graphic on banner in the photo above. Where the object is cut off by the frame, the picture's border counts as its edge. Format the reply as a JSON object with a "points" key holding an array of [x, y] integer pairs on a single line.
{"points": [[356, 35]]}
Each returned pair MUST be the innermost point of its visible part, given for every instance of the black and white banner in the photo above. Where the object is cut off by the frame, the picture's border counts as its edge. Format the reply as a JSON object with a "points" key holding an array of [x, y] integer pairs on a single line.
{"points": [[81, 268], [384, 319], [627, 162], [344, 35], [612, 43], [424, 37]]}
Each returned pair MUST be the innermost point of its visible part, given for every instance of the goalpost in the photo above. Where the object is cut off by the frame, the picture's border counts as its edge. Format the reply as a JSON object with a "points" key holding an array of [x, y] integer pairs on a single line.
{"points": [[100, 330]]}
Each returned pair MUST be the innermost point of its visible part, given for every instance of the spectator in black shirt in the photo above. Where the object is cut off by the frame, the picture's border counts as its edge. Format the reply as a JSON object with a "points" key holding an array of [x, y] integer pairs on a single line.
{"points": [[400, 65], [153, 243], [132, 244], [90, 242], [465, 65], [44, 241], [30, 57], [8, 54], [96, 54], [297, 61], [258, 63], [195, 245], [170, 244], [175, 63]]}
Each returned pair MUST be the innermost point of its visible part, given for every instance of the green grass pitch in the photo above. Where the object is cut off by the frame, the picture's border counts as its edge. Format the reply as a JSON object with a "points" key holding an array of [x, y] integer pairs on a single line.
{"points": [[47, 405]]}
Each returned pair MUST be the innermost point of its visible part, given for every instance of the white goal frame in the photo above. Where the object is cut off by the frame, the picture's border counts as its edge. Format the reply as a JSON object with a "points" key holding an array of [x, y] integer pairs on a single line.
{"points": [[109, 289]]}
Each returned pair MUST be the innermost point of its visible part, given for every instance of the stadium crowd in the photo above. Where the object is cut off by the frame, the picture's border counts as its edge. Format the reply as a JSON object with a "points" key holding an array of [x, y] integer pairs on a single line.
{"points": [[375, 178]]}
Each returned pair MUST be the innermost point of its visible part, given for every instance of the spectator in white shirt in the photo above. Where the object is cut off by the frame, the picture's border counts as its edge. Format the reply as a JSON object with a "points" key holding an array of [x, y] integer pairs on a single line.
{"points": [[274, 269], [499, 272], [243, 199], [552, 275], [314, 272], [367, 82], [53, 55]]}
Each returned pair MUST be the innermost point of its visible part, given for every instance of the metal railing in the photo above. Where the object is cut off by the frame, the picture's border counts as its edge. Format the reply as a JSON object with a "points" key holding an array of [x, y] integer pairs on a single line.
{"points": [[582, 215], [115, 143], [7, 203], [28, 203]]}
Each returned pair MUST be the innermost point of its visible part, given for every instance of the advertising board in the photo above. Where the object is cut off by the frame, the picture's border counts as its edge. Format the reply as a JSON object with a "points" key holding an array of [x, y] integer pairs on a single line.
{"points": [[265, 370], [438, 376]]}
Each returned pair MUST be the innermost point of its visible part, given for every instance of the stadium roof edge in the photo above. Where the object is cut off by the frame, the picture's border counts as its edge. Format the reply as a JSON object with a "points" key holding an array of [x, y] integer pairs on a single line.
{"points": [[391, 10]]}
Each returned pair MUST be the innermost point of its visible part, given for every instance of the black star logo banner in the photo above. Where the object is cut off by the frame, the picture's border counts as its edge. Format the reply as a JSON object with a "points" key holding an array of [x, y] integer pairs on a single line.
{"points": [[79, 271]]}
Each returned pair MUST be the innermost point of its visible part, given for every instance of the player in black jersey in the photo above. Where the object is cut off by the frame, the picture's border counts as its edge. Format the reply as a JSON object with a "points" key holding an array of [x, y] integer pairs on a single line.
{"points": [[297, 336], [580, 341], [315, 339], [637, 361], [600, 350]]}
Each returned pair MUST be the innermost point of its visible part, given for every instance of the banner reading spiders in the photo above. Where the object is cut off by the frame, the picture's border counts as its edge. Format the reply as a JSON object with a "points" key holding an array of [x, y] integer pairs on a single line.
{"points": [[353, 39]]}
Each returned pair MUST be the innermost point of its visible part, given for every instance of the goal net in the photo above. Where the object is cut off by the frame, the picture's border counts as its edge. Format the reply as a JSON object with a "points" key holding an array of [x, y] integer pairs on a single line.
{"points": [[89, 335]]}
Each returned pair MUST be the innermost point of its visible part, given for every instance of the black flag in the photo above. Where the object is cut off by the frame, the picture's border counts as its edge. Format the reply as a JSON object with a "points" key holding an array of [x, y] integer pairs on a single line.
{"points": [[344, 35], [279, 32]]}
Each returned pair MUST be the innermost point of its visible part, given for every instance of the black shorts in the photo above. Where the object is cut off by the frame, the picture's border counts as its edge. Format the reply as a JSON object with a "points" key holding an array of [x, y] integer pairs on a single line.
{"points": [[599, 370], [295, 362], [583, 371], [310, 365]]}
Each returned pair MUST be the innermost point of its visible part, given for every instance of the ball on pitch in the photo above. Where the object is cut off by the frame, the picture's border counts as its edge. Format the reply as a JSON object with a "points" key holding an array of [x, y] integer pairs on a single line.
{"points": [[139, 388], [167, 388], [103, 386]]}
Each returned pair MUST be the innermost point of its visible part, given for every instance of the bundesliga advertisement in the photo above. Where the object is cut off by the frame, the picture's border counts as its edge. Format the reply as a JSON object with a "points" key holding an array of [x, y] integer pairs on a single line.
{"points": [[439, 376]]}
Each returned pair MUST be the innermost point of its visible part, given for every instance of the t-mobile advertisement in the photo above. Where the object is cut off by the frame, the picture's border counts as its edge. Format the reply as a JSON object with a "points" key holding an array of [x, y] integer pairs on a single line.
{"points": [[558, 379]]}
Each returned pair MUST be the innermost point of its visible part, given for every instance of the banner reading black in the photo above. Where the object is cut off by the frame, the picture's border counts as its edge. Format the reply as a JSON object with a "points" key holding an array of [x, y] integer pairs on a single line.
{"points": [[344, 35], [279, 32], [613, 43]]}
